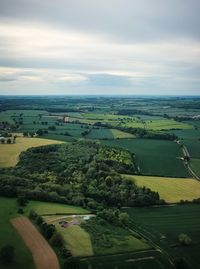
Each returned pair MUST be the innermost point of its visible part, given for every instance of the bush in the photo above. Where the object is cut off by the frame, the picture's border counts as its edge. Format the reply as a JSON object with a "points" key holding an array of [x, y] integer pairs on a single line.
{"points": [[20, 211], [184, 239], [56, 240], [32, 215], [7, 254]]}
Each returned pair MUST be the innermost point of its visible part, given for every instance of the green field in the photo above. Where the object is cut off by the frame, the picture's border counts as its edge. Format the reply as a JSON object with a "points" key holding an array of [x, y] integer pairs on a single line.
{"points": [[9, 153], [149, 259], [172, 190], [195, 164], [193, 148], [167, 223], [9, 236], [154, 157], [46, 208]]}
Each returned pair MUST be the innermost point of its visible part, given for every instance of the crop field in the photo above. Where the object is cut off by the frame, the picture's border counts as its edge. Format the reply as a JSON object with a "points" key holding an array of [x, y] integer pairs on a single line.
{"points": [[9, 236], [195, 164], [46, 208], [154, 157], [172, 190], [43, 255], [136, 260], [170, 221], [187, 134], [193, 148], [9, 153]]}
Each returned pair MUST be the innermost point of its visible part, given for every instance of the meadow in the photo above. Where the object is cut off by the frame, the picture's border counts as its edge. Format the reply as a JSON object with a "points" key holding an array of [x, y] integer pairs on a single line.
{"points": [[10, 152], [9, 236], [154, 157], [166, 223], [172, 190]]}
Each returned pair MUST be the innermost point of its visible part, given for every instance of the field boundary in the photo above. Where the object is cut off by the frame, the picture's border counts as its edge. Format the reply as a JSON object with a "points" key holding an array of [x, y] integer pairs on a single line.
{"points": [[43, 255]]}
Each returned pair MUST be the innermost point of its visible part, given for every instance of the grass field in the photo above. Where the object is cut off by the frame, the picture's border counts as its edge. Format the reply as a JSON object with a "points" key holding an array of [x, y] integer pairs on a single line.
{"points": [[9, 153], [154, 157], [23, 257], [170, 221], [45, 208], [172, 190]]}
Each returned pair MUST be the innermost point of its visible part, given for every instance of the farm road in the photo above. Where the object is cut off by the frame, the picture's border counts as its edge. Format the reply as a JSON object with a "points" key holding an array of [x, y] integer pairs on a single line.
{"points": [[43, 255]]}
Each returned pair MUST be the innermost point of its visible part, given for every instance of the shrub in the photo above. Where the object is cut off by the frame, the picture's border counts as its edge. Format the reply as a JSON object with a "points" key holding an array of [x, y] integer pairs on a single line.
{"points": [[7, 254]]}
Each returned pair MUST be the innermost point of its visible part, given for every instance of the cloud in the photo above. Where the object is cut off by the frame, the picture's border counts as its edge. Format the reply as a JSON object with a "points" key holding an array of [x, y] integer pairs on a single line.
{"points": [[86, 46]]}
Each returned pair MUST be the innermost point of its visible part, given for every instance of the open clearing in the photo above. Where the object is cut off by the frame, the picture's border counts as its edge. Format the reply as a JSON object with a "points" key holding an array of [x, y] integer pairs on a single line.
{"points": [[172, 190], [43, 255], [9, 153]]}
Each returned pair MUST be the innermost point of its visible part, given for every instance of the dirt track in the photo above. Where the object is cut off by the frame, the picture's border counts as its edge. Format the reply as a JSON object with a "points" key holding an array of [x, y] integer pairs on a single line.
{"points": [[43, 255]]}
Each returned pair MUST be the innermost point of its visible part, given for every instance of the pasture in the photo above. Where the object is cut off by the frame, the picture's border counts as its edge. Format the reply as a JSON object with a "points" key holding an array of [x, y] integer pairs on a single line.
{"points": [[154, 157], [9, 236], [9, 153], [167, 223], [172, 190]]}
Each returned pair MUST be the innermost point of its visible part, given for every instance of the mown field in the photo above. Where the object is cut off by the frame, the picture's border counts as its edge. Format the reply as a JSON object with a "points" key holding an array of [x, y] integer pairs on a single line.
{"points": [[169, 222], [172, 190], [154, 157], [9, 236], [9, 153]]}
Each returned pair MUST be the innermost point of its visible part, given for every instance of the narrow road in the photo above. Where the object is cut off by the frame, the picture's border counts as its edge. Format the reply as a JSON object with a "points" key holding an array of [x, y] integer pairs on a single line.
{"points": [[153, 244], [187, 160]]}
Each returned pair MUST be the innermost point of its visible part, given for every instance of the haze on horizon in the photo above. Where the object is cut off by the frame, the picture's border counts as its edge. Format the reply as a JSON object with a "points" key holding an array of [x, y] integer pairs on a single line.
{"points": [[99, 47]]}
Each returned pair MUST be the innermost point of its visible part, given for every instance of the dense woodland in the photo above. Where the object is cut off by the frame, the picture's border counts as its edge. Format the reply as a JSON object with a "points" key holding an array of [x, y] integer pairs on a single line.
{"points": [[83, 173]]}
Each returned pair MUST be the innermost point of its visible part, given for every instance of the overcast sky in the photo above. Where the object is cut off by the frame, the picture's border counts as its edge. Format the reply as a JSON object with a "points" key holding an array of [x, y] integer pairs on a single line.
{"points": [[100, 47]]}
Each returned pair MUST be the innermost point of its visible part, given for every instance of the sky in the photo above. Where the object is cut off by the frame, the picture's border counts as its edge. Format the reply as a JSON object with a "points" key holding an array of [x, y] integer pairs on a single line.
{"points": [[100, 47]]}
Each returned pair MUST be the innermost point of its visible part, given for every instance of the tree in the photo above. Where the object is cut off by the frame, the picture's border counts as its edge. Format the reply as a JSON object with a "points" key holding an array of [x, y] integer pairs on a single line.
{"points": [[184, 239], [7, 254], [124, 218], [9, 141], [56, 240], [21, 200], [14, 139]]}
